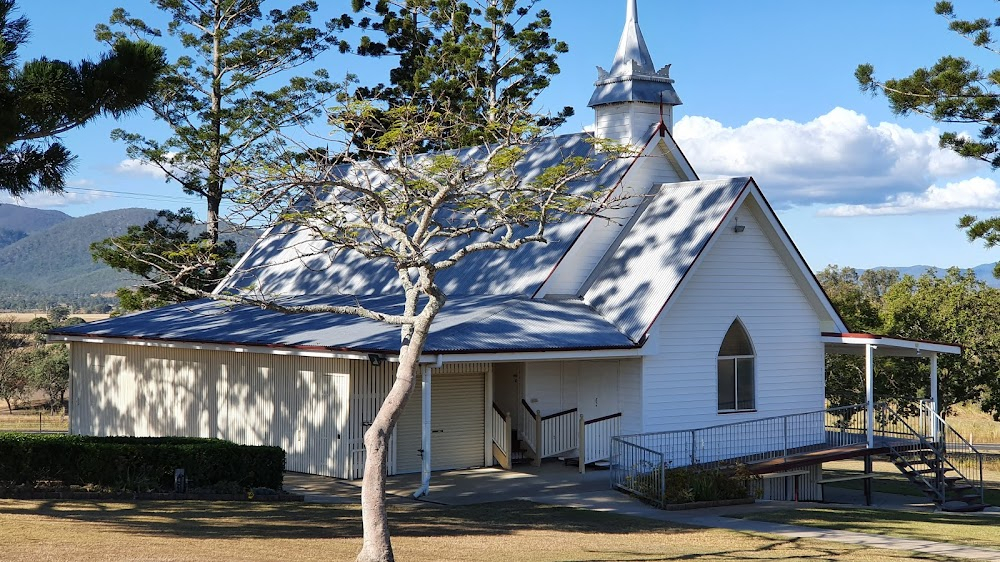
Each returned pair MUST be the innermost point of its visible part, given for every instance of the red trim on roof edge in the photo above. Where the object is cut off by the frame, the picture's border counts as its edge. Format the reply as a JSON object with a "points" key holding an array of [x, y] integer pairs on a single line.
{"points": [[879, 337], [799, 254], [589, 222], [645, 333]]}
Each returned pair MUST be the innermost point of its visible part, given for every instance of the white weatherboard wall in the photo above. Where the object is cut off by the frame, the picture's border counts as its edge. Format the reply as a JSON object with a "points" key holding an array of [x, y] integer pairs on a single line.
{"points": [[597, 388], [653, 168], [741, 276], [296, 403]]}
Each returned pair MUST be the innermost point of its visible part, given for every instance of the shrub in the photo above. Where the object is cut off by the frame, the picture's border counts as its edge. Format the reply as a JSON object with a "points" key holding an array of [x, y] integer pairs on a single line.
{"points": [[136, 463], [686, 485]]}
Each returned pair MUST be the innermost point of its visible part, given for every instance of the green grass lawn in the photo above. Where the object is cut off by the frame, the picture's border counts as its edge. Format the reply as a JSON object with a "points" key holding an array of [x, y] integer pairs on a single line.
{"points": [[970, 530], [522, 531], [890, 481]]}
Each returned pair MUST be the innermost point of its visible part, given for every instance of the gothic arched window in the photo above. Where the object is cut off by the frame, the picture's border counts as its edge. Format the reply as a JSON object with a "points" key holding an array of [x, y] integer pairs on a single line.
{"points": [[736, 370]]}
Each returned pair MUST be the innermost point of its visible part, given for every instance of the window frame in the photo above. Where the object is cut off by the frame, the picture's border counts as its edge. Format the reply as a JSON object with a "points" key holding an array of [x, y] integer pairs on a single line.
{"points": [[735, 359]]}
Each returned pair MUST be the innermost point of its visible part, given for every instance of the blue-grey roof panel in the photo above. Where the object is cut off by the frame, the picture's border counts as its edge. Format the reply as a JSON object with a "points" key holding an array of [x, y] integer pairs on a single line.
{"points": [[467, 324], [634, 89], [655, 255], [288, 261]]}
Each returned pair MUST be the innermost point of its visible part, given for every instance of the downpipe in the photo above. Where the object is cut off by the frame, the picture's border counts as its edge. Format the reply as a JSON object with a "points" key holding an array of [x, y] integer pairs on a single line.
{"points": [[425, 426]]}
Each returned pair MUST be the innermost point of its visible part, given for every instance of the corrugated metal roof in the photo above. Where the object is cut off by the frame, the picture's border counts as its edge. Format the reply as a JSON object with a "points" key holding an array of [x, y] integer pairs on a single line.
{"points": [[465, 324], [657, 252], [289, 261]]}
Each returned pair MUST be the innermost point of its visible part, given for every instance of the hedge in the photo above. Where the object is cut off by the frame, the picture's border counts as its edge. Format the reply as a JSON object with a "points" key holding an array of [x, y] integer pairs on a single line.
{"points": [[136, 463]]}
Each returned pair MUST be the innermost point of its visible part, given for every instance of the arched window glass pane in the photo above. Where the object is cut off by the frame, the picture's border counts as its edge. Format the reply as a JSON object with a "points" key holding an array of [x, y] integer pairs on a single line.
{"points": [[736, 341]]}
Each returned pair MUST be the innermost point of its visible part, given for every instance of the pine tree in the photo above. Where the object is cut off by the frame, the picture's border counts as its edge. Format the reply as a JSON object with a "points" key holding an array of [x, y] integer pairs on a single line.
{"points": [[44, 98]]}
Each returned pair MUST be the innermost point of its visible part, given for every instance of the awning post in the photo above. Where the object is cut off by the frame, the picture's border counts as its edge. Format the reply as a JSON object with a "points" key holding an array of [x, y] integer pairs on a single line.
{"points": [[934, 396], [870, 394], [425, 433]]}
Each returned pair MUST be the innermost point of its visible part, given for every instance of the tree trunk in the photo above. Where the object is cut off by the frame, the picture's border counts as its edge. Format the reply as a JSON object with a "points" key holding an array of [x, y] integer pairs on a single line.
{"points": [[377, 546]]}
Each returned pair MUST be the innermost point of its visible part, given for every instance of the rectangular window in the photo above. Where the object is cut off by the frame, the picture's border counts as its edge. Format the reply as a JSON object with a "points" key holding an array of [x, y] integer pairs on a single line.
{"points": [[736, 384], [744, 384], [727, 384]]}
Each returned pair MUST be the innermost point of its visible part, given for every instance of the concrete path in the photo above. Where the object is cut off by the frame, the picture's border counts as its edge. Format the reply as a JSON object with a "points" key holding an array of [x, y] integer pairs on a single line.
{"points": [[555, 484], [717, 518]]}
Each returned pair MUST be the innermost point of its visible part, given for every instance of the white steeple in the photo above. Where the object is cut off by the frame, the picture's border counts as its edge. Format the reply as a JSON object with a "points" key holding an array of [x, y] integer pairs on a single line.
{"points": [[628, 100]]}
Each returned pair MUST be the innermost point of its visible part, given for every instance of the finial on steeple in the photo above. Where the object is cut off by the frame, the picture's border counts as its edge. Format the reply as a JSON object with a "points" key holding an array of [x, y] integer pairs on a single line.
{"points": [[632, 12]]}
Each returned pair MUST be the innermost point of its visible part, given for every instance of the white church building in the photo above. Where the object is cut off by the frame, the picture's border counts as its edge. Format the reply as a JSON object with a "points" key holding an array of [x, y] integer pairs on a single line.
{"points": [[694, 310]]}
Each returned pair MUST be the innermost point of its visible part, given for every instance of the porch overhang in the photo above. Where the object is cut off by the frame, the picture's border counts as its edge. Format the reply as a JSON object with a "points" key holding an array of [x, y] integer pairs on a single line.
{"points": [[883, 346]]}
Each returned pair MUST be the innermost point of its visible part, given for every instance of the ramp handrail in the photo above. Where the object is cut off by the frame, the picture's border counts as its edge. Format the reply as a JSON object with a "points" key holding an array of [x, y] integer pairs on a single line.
{"points": [[955, 450], [759, 439]]}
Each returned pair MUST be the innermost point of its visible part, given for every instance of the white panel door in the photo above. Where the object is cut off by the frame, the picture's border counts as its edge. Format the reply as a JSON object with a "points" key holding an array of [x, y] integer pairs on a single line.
{"points": [[598, 389]]}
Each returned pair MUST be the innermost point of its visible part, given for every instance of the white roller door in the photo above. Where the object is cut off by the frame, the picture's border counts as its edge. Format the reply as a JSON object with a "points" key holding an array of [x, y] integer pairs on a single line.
{"points": [[457, 424]]}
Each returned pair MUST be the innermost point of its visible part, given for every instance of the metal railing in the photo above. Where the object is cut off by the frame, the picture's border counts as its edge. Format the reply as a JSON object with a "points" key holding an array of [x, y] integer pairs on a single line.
{"points": [[952, 449], [638, 471], [757, 440], [638, 462], [595, 438]]}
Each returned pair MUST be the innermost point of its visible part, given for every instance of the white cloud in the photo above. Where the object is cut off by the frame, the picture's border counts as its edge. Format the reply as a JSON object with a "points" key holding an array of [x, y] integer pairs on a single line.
{"points": [[836, 158], [46, 200], [134, 166], [975, 193]]}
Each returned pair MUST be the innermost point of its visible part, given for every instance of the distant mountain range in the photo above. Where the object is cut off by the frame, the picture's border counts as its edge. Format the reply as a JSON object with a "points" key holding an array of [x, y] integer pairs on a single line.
{"points": [[45, 256], [983, 272]]}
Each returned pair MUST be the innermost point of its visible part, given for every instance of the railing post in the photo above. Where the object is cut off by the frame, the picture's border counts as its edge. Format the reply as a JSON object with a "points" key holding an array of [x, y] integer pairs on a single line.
{"points": [[785, 433], [582, 445], [508, 438], [693, 456], [538, 438]]}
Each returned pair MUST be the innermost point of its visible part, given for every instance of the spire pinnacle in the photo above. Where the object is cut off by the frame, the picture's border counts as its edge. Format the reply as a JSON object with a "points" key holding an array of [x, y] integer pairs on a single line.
{"points": [[632, 46]]}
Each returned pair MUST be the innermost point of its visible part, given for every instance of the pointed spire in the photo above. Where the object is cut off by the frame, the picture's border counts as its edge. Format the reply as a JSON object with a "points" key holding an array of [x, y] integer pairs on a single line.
{"points": [[632, 46], [635, 83]]}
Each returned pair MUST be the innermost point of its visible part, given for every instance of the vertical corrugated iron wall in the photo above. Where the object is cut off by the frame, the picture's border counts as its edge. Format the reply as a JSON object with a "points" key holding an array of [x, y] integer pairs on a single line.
{"points": [[297, 403], [369, 387]]}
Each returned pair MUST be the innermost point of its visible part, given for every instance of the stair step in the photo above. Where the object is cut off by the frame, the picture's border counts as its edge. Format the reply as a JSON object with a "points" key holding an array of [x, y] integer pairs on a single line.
{"points": [[962, 507]]}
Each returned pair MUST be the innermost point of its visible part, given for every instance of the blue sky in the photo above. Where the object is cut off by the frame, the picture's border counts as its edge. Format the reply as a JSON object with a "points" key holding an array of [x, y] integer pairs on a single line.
{"points": [[768, 91]]}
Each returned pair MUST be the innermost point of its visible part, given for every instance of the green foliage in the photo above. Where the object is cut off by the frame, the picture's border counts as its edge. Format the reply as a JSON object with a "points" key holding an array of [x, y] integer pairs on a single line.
{"points": [[212, 95], [44, 98], [48, 371], [954, 90], [954, 308], [136, 463], [167, 254], [686, 485], [469, 60], [13, 378]]}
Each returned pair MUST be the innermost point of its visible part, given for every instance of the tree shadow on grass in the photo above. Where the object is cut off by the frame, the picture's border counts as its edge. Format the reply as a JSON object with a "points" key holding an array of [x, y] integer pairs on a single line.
{"points": [[233, 520]]}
